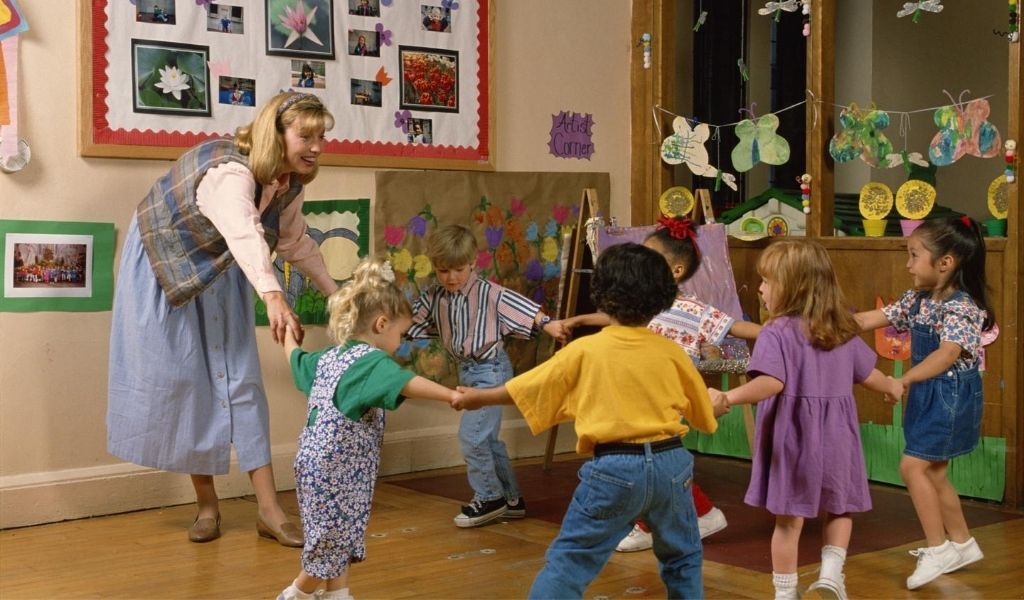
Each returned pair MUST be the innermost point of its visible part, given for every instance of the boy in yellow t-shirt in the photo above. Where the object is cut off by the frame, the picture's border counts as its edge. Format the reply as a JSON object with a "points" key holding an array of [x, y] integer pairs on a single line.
{"points": [[625, 387]]}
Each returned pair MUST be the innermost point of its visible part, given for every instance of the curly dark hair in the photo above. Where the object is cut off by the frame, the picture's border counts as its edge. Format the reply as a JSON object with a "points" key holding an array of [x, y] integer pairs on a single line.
{"points": [[632, 284]]}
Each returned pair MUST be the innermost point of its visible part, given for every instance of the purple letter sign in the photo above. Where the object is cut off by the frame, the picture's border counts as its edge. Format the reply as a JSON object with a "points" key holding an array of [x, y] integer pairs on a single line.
{"points": [[570, 135]]}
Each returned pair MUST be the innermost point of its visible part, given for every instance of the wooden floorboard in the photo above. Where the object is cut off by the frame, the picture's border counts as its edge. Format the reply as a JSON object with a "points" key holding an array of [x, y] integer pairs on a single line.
{"points": [[414, 551]]}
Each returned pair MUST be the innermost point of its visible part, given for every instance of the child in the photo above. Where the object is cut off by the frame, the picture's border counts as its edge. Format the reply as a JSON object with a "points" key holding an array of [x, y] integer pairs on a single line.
{"points": [[349, 386], [691, 324], [307, 79], [945, 312], [471, 316], [807, 450], [625, 387]]}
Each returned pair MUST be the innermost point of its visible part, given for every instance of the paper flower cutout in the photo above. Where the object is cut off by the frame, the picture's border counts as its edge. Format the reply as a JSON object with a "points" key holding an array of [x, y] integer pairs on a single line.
{"points": [[402, 118], [759, 143], [382, 77], [203, 3], [218, 68], [963, 129], [686, 145], [297, 21], [860, 135], [172, 81], [385, 34], [386, 2], [450, 4]]}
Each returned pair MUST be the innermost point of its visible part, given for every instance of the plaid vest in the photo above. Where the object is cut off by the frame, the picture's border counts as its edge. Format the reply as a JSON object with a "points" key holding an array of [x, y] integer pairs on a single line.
{"points": [[185, 250]]}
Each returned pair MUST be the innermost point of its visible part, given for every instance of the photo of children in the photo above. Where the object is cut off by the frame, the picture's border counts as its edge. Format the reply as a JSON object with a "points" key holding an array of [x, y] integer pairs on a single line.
{"points": [[364, 8], [363, 43], [366, 92], [50, 265], [158, 11], [436, 18], [420, 131], [224, 18], [309, 74], [237, 91]]}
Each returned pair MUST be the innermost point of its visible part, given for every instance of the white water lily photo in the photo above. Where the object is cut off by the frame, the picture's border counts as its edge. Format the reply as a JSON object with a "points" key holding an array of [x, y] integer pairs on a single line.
{"points": [[170, 78], [300, 28]]}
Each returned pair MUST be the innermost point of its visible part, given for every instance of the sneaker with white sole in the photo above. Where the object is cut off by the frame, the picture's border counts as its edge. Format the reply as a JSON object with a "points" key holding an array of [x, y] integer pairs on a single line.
{"points": [[713, 521], [515, 509], [932, 562], [635, 541], [480, 512], [828, 589], [967, 553]]}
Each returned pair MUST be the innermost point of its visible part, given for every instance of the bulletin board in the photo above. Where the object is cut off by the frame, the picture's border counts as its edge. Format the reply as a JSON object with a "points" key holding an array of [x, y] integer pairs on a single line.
{"points": [[407, 89]]}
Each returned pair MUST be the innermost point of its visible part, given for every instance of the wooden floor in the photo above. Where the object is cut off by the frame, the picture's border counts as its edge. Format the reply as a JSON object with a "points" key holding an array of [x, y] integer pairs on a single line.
{"points": [[414, 551]]}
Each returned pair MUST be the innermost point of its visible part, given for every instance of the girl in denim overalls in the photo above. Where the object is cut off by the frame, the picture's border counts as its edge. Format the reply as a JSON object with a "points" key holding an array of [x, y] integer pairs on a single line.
{"points": [[945, 312], [349, 387]]}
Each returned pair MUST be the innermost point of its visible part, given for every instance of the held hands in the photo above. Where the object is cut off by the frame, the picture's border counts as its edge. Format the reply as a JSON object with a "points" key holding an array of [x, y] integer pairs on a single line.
{"points": [[466, 398], [558, 331], [280, 316], [894, 389], [719, 401]]}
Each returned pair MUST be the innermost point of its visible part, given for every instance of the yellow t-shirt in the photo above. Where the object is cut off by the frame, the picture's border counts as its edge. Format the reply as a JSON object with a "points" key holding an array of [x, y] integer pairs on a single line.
{"points": [[622, 384]]}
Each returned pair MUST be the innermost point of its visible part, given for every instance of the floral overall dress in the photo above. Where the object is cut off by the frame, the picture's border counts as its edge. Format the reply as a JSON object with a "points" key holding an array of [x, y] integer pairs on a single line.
{"points": [[943, 415], [335, 472]]}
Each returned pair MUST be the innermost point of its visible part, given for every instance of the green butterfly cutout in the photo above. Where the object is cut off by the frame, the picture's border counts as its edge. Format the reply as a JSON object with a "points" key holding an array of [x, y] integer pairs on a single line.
{"points": [[759, 143]]}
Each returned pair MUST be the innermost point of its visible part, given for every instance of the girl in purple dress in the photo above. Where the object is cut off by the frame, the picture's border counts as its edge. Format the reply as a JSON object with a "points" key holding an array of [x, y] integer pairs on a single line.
{"points": [[349, 385], [945, 312], [807, 451]]}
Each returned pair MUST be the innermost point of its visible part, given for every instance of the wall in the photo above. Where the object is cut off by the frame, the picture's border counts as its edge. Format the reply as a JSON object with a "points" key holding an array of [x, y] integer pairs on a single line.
{"points": [[53, 366]]}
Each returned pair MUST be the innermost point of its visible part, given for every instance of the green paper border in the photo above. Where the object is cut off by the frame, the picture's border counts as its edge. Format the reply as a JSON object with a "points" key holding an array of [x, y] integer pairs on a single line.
{"points": [[102, 266]]}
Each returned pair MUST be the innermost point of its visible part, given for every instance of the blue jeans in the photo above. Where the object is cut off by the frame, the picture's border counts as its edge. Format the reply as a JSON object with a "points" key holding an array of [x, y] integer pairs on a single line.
{"points": [[614, 491], [487, 464]]}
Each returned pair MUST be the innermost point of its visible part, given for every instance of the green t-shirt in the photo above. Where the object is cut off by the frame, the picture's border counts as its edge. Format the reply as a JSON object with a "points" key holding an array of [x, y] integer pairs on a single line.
{"points": [[373, 381]]}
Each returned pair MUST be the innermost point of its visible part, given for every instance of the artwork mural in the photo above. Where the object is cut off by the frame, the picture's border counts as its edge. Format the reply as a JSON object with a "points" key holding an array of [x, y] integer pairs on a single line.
{"points": [[519, 220], [342, 229]]}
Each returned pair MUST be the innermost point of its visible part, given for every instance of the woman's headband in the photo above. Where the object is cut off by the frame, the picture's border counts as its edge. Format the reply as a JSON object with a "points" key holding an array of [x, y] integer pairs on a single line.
{"points": [[292, 100]]}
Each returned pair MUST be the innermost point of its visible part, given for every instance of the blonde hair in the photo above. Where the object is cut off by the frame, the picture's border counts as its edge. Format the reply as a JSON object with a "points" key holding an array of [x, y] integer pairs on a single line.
{"points": [[370, 293], [806, 286], [451, 246], [263, 139]]}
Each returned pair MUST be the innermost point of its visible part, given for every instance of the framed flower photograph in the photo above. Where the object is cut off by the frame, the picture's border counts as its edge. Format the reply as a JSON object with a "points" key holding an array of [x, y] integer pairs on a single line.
{"points": [[430, 79], [300, 28], [170, 78]]}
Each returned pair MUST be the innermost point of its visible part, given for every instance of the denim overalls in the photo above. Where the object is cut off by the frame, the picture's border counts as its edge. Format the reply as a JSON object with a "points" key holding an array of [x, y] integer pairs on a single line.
{"points": [[943, 414]]}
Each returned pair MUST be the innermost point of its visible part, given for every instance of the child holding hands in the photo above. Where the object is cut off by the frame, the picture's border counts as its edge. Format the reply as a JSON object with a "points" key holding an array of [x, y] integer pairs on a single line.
{"points": [[807, 453], [946, 312], [349, 385], [626, 388]]}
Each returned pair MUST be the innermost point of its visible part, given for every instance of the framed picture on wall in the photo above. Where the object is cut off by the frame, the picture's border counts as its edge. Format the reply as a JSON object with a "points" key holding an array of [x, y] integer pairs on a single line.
{"points": [[170, 78], [430, 79], [300, 28]]}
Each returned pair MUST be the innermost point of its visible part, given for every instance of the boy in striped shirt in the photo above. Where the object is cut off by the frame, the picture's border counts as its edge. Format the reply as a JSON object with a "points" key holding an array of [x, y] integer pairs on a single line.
{"points": [[471, 316]]}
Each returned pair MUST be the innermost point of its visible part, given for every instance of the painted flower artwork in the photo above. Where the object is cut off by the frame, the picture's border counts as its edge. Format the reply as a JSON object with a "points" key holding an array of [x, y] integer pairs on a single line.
{"points": [[516, 249]]}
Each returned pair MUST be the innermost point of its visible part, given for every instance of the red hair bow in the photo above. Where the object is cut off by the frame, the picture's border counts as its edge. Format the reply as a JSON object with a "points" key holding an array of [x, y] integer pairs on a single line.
{"points": [[966, 220], [679, 229]]}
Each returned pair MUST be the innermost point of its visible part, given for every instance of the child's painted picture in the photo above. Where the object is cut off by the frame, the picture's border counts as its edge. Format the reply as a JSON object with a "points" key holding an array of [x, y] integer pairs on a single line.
{"points": [[236, 91], [170, 78]]}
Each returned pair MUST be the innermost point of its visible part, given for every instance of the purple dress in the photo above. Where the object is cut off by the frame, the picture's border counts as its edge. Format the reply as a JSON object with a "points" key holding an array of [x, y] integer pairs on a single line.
{"points": [[807, 450]]}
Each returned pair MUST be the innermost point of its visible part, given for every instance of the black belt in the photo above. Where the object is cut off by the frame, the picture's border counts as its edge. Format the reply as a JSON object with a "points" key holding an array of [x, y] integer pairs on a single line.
{"points": [[621, 448]]}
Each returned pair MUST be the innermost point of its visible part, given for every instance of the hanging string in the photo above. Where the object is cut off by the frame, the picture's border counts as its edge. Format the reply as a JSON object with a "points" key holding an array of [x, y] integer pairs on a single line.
{"points": [[814, 109], [694, 122]]}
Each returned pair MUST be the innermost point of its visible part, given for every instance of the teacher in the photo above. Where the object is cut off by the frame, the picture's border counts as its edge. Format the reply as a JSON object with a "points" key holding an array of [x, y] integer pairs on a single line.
{"points": [[184, 380]]}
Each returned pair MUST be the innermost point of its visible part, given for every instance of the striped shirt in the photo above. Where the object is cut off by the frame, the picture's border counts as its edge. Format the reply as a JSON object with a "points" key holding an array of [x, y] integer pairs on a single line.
{"points": [[472, 321]]}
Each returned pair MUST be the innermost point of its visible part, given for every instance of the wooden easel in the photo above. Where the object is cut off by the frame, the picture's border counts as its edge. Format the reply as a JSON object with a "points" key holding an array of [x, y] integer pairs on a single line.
{"points": [[579, 268]]}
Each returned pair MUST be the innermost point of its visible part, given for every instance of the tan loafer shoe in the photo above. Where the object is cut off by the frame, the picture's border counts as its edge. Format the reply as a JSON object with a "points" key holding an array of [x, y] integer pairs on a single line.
{"points": [[204, 530], [287, 535]]}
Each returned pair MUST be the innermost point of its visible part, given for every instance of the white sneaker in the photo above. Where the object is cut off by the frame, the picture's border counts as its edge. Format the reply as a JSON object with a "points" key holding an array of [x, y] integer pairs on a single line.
{"points": [[712, 522], [932, 562], [967, 553], [637, 540], [829, 589]]}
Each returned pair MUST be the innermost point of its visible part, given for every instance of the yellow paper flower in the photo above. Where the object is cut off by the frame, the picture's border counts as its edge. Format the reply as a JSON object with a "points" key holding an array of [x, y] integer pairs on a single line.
{"points": [[402, 260], [422, 265], [549, 250]]}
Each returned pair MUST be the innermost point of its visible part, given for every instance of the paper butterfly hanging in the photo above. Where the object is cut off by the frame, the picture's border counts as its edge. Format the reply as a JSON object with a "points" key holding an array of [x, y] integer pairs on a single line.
{"points": [[686, 145], [775, 8], [963, 129], [861, 135], [759, 143]]}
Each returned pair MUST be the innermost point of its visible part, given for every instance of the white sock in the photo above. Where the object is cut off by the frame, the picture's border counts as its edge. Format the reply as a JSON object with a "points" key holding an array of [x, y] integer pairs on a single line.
{"points": [[339, 594], [785, 584], [961, 546], [832, 559], [293, 592]]}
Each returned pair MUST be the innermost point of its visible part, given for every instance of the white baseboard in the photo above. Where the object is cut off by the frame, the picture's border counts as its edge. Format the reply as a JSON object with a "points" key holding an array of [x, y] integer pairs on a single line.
{"points": [[51, 496]]}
